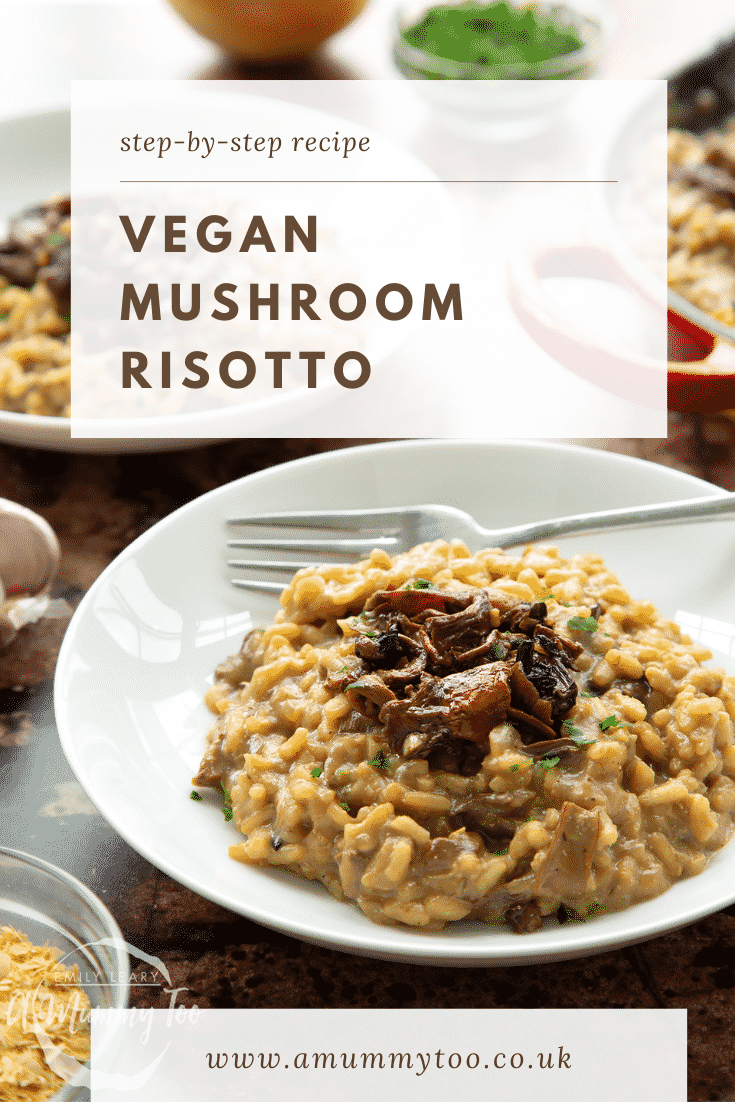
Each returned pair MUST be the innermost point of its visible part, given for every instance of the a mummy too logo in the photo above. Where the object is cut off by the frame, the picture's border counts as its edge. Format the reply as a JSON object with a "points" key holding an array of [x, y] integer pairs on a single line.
{"points": [[61, 1017]]}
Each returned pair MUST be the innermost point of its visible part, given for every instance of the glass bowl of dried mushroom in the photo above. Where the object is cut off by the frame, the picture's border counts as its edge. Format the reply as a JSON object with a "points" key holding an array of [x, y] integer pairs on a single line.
{"points": [[61, 957]]}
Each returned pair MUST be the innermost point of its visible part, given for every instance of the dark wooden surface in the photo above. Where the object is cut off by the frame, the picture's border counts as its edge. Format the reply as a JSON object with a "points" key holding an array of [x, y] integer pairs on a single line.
{"points": [[218, 959]]}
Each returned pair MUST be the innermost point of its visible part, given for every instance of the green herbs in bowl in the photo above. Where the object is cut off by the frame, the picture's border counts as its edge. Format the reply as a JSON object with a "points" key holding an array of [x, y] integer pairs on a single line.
{"points": [[497, 41]]}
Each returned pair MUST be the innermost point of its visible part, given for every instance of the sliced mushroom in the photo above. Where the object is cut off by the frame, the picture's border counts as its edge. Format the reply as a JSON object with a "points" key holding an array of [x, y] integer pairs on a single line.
{"points": [[566, 868]]}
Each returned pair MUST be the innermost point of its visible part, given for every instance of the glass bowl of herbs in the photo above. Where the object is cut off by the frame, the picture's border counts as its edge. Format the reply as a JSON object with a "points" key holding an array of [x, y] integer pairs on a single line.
{"points": [[500, 69]]}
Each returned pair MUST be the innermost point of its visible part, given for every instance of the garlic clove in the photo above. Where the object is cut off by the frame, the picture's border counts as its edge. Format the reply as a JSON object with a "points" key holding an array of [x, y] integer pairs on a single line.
{"points": [[29, 551], [29, 558]]}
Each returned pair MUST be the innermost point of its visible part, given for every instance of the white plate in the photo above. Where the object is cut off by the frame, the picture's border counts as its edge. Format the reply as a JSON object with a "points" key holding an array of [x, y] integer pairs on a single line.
{"points": [[146, 638], [37, 147]]}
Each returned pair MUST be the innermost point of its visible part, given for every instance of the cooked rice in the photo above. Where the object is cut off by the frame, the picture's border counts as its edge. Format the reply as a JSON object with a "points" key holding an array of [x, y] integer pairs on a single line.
{"points": [[316, 787]]}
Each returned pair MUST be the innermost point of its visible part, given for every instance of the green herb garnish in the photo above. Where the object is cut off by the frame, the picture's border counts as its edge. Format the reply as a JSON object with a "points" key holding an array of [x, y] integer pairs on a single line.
{"points": [[496, 650], [610, 722], [549, 763], [227, 809], [317, 771], [380, 760], [342, 776], [582, 623], [571, 914], [55, 239], [420, 583], [514, 768], [195, 795], [345, 806], [577, 736]]}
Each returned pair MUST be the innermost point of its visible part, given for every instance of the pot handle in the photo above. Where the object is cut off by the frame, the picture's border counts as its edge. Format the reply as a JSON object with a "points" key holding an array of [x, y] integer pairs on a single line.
{"points": [[691, 385]]}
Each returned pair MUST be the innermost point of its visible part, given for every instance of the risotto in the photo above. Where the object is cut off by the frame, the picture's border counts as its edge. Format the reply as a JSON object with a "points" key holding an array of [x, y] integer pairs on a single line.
{"points": [[701, 217], [498, 736], [35, 360]]}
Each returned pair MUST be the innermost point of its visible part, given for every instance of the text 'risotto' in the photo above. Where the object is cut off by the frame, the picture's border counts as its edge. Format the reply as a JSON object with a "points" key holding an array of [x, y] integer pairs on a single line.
{"points": [[503, 737]]}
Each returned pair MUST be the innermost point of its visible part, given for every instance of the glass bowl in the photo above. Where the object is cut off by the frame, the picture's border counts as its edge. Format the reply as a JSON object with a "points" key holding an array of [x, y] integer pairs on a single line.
{"points": [[53, 908], [501, 102]]}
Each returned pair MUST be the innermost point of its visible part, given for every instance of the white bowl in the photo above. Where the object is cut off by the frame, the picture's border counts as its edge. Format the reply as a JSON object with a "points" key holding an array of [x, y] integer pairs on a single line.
{"points": [[142, 646]]}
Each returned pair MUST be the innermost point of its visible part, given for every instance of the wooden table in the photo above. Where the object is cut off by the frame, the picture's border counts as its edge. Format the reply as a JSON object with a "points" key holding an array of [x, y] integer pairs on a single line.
{"points": [[98, 505], [219, 959]]}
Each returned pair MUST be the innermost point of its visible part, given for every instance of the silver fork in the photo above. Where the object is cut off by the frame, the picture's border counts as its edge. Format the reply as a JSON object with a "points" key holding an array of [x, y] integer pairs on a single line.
{"points": [[399, 529]]}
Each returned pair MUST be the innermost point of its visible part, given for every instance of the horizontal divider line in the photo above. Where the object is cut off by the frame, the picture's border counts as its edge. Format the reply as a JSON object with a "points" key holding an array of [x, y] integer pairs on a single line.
{"points": [[368, 181]]}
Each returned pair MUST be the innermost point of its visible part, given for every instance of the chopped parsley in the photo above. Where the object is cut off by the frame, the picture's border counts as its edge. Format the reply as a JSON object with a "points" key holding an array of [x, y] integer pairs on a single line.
{"points": [[498, 852], [610, 722], [496, 650], [342, 669], [56, 238], [547, 595], [355, 685], [342, 776], [549, 763], [317, 771], [582, 623], [195, 795], [514, 768], [345, 806], [571, 914], [380, 760], [420, 583], [227, 809], [577, 736], [590, 696]]}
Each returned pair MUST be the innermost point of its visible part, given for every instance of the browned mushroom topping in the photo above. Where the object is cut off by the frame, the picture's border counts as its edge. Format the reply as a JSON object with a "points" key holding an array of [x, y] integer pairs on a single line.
{"points": [[440, 668], [467, 704]]}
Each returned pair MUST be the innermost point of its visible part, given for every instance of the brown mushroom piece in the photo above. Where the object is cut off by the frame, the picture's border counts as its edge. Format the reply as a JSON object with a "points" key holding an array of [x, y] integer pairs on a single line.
{"points": [[239, 667], [369, 694], [524, 918], [489, 816], [565, 871], [467, 704]]}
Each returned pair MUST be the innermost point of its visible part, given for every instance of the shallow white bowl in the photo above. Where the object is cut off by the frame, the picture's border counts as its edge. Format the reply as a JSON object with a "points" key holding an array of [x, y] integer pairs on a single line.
{"points": [[144, 642], [35, 153]]}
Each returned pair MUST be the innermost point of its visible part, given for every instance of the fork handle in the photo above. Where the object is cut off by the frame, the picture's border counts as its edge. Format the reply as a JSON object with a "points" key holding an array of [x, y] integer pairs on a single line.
{"points": [[640, 516]]}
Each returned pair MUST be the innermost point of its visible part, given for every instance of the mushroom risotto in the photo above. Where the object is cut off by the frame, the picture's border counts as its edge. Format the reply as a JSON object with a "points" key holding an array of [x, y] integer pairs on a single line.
{"points": [[497, 736]]}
